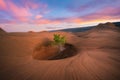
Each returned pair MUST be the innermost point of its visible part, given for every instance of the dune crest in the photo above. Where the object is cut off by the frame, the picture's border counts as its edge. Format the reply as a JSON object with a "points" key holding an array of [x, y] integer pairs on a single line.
{"points": [[2, 31], [106, 26]]}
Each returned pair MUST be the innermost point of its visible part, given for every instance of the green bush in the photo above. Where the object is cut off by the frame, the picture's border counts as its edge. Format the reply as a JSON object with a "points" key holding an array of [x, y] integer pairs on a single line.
{"points": [[59, 40]]}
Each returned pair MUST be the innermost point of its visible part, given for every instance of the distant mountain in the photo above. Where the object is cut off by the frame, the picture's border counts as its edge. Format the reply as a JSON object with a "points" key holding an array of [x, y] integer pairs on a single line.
{"points": [[117, 24], [81, 29], [76, 29]]}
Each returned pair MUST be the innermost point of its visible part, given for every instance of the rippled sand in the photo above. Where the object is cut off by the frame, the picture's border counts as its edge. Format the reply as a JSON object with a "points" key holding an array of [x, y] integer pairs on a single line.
{"points": [[98, 56]]}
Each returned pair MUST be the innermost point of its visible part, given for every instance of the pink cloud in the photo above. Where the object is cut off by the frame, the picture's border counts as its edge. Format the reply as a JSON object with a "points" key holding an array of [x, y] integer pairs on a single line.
{"points": [[24, 13], [7, 21], [111, 11], [103, 14], [58, 21], [42, 21], [73, 20], [46, 21], [31, 5], [3, 5], [20, 13]]}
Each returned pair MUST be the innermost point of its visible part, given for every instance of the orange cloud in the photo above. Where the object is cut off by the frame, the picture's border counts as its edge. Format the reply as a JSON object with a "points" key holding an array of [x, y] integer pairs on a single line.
{"points": [[38, 16], [42, 21], [72, 20], [46, 21], [76, 20]]}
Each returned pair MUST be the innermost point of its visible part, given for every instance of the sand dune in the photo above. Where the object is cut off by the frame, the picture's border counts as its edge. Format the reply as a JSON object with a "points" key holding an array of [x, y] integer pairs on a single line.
{"points": [[2, 32], [97, 58]]}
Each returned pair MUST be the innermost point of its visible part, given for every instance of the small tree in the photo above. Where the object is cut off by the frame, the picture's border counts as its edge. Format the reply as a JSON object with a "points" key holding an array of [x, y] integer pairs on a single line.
{"points": [[60, 41]]}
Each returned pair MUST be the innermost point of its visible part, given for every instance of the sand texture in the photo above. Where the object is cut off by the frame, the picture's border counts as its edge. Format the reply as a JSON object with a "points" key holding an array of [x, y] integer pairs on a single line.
{"points": [[97, 58]]}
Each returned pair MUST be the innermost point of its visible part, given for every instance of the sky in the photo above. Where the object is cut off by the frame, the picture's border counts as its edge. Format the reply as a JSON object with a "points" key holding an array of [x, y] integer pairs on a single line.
{"points": [[38, 15]]}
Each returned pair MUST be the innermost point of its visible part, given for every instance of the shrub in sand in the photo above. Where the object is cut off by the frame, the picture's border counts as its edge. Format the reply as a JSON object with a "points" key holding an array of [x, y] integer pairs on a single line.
{"points": [[56, 49], [59, 41], [48, 49]]}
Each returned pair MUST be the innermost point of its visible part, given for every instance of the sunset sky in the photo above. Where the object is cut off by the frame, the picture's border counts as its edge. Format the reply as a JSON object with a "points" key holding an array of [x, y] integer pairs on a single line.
{"points": [[25, 15]]}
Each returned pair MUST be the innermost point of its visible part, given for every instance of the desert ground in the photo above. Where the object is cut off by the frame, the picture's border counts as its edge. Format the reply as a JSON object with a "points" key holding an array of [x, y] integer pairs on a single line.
{"points": [[97, 56]]}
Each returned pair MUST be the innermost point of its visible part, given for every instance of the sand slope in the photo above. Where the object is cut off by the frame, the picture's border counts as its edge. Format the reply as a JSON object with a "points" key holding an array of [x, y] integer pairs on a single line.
{"points": [[98, 57]]}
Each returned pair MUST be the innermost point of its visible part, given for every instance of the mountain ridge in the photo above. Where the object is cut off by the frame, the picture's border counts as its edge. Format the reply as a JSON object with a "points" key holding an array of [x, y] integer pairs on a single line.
{"points": [[82, 29]]}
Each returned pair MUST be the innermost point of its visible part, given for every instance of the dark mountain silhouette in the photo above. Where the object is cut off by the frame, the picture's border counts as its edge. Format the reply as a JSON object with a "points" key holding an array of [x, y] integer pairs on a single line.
{"points": [[81, 29], [117, 24], [100, 26]]}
